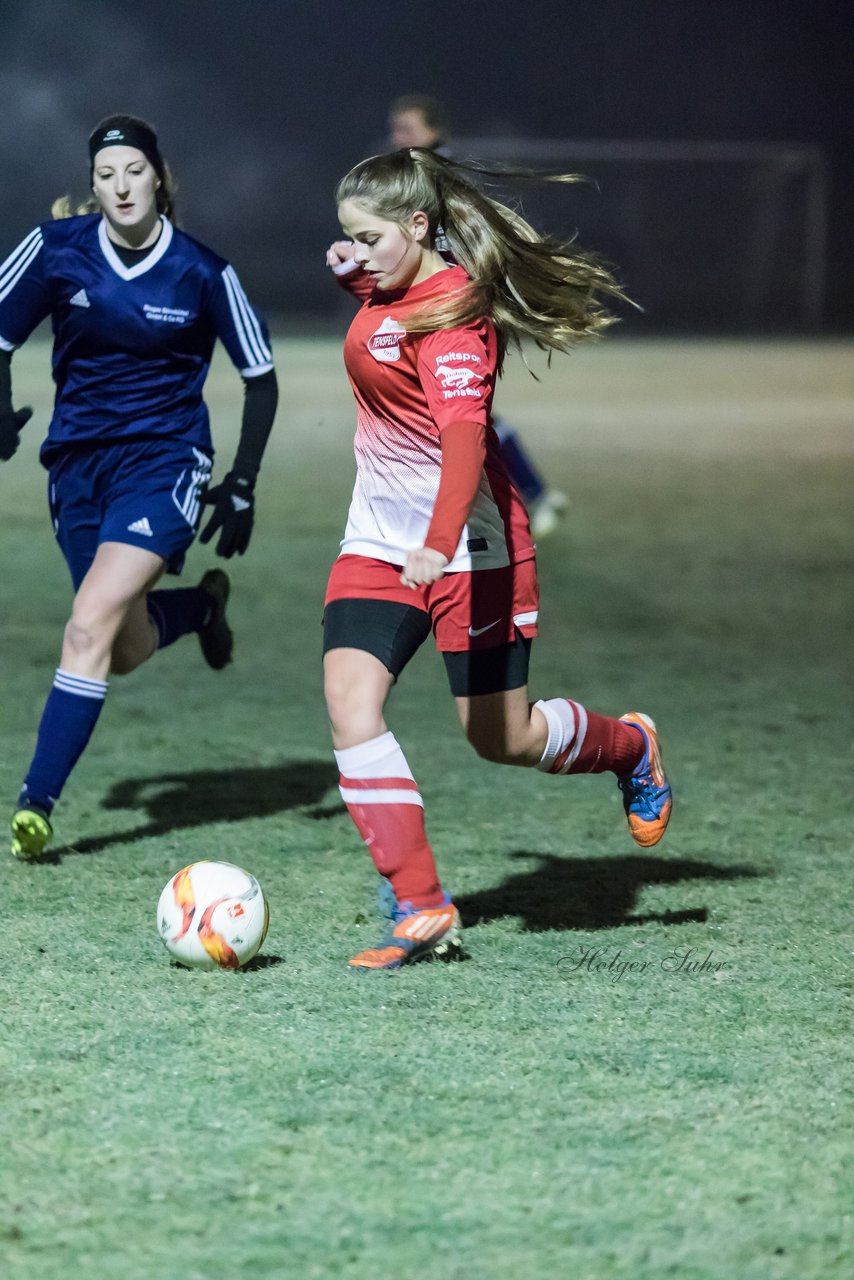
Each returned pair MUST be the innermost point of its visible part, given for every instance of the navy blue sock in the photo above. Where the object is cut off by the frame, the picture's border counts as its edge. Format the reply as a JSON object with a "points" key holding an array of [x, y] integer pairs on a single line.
{"points": [[70, 714], [525, 476], [178, 612]]}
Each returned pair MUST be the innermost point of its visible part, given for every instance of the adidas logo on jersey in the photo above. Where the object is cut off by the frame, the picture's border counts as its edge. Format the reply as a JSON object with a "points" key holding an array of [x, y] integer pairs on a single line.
{"points": [[79, 299], [141, 526]]}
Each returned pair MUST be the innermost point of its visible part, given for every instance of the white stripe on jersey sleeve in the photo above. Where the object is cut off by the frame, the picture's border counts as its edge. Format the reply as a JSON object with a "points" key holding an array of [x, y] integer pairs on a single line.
{"points": [[18, 261], [246, 324], [251, 316], [249, 352]]}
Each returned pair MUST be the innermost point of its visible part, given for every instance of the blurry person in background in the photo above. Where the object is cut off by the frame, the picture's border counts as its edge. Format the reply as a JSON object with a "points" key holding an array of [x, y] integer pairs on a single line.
{"points": [[417, 120], [136, 307]]}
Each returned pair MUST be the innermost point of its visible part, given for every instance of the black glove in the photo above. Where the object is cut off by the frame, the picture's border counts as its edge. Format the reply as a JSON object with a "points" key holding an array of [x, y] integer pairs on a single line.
{"points": [[11, 422], [233, 512]]}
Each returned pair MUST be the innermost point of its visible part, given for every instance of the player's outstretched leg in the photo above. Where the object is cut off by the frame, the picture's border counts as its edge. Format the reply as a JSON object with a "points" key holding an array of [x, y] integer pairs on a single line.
{"points": [[647, 797], [560, 736], [582, 741]]}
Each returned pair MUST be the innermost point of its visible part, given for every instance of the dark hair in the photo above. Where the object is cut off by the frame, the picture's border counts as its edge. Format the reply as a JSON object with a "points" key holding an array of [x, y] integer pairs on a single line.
{"points": [[530, 285], [130, 131], [435, 115]]}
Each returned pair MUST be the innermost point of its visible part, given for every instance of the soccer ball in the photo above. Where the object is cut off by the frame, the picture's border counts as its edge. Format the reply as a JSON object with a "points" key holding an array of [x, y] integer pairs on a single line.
{"points": [[213, 915]]}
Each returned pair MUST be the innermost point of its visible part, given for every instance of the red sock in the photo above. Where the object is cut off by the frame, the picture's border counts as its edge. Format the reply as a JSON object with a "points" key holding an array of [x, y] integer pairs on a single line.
{"points": [[582, 741], [383, 800]]}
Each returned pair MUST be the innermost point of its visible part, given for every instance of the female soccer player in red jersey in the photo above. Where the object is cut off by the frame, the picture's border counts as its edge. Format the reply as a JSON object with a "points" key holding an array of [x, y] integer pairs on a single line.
{"points": [[437, 537]]}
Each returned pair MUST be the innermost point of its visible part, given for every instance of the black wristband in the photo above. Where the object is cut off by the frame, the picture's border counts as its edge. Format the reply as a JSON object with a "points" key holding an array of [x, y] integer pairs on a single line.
{"points": [[259, 409], [5, 381]]}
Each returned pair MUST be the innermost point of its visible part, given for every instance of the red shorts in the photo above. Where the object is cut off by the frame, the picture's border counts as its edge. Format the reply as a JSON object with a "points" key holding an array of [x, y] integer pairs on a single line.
{"points": [[479, 610]]}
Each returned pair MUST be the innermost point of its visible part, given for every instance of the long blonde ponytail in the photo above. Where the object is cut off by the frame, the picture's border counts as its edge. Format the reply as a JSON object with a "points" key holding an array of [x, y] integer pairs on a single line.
{"points": [[530, 285]]}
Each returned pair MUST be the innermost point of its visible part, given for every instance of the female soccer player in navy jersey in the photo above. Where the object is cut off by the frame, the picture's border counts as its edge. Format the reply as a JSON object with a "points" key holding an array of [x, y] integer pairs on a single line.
{"points": [[136, 307], [437, 537]]}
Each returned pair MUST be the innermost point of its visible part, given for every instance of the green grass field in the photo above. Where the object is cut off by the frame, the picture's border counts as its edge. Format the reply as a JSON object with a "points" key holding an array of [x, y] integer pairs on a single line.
{"points": [[542, 1109]]}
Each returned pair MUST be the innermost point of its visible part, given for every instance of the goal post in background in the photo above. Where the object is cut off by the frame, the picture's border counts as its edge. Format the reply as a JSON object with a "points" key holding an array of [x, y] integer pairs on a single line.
{"points": [[707, 236]]}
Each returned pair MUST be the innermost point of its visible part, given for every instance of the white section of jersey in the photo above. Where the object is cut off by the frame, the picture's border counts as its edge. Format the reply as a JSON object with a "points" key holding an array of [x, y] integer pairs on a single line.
{"points": [[397, 479], [79, 299]]}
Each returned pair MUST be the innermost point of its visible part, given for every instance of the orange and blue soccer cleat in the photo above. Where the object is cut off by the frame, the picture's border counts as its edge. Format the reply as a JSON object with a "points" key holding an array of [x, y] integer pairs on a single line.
{"points": [[31, 832], [425, 933], [647, 798]]}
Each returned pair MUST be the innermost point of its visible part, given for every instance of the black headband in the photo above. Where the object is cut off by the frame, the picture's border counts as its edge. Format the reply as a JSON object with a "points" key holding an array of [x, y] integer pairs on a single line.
{"points": [[125, 131]]}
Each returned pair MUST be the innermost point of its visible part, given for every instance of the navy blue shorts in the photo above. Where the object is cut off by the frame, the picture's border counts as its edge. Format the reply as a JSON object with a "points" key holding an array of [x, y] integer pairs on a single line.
{"points": [[146, 493]]}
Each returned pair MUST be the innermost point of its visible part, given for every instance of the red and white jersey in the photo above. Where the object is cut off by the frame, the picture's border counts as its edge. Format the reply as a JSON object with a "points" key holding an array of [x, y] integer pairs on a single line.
{"points": [[408, 388]]}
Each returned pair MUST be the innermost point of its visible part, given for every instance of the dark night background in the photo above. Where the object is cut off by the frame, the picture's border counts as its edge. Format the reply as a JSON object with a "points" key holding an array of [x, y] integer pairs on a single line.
{"points": [[261, 106]]}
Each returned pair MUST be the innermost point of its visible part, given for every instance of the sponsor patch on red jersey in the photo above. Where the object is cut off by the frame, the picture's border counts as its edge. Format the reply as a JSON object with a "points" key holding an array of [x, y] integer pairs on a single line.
{"points": [[457, 371], [384, 343]]}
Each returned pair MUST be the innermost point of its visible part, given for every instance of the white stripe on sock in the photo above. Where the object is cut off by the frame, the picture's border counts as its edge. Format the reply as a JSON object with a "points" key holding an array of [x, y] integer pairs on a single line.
{"points": [[377, 758], [353, 795], [82, 686], [567, 727]]}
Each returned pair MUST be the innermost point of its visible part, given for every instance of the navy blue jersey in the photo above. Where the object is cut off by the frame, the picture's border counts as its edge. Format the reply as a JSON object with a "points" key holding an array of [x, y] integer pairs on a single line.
{"points": [[132, 345]]}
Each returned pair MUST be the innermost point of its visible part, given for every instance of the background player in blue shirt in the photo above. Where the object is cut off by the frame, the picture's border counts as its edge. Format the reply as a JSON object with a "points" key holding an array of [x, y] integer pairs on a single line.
{"points": [[136, 307]]}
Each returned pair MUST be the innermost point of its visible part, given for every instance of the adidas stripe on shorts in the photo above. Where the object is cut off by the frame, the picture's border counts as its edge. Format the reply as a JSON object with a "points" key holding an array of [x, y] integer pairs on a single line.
{"points": [[145, 493]]}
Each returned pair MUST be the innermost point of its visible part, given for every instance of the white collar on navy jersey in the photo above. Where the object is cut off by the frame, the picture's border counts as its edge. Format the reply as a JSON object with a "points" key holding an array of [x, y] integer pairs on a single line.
{"points": [[150, 260]]}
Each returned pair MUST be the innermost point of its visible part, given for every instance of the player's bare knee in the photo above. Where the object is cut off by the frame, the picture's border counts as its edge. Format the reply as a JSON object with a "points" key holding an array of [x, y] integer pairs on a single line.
{"points": [[351, 713], [356, 723], [91, 632], [82, 638]]}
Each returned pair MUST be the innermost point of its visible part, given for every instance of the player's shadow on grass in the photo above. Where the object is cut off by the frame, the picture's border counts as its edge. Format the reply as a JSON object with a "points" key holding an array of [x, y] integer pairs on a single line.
{"points": [[176, 801], [590, 893]]}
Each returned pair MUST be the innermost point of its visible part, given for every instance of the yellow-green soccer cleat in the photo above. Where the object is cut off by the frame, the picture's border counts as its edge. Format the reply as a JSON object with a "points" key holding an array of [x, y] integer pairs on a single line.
{"points": [[31, 833]]}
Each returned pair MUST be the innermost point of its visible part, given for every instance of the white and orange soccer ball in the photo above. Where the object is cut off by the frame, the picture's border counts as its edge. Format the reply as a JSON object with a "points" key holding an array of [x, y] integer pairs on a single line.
{"points": [[213, 915]]}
